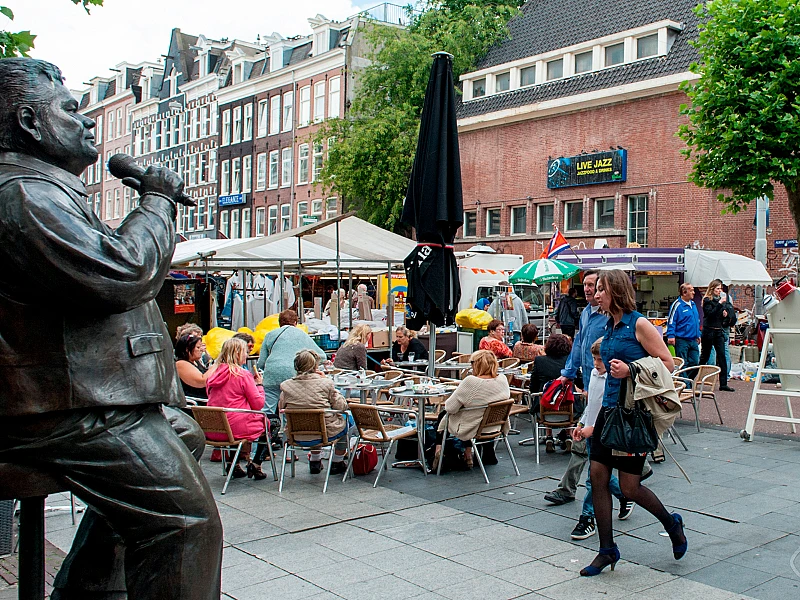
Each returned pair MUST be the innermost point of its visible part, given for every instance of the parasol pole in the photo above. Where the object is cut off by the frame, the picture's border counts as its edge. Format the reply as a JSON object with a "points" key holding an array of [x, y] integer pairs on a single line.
{"points": [[431, 349]]}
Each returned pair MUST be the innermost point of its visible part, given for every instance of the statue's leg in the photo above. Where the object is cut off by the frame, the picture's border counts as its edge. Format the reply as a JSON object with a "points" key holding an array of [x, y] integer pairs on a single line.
{"points": [[131, 468], [94, 567]]}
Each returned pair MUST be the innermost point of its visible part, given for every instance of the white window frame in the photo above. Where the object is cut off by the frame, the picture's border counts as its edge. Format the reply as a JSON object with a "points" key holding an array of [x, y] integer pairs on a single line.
{"points": [[274, 169], [236, 174], [247, 123], [319, 101], [226, 128], [331, 207], [608, 47], [316, 207], [261, 171], [225, 178], [643, 37], [224, 223], [507, 76], [334, 97], [201, 213], [261, 221], [275, 115], [317, 162], [237, 125], [591, 62], [117, 204], [272, 220], [235, 227], [246, 223], [288, 111], [634, 228], [263, 118], [211, 213], [302, 164], [305, 106], [247, 173], [302, 211], [286, 217], [286, 166], [547, 69]]}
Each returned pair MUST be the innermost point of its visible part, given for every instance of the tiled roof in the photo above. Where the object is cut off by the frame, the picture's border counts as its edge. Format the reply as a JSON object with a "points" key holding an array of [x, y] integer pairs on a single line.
{"points": [[546, 25], [111, 89], [84, 101], [300, 53]]}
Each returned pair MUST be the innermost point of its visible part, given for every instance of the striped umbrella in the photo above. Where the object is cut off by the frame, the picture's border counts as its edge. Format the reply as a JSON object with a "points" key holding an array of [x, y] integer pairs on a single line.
{"points": [[543, 270]]}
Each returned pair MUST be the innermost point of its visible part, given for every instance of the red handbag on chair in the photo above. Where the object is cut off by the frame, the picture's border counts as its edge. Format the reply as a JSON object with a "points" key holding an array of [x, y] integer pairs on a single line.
{"points": [[555, 393]]}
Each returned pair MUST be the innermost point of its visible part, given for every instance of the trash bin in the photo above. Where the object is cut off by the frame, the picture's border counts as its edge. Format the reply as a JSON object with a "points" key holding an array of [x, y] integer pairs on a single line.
{"points": [[6, 526]]}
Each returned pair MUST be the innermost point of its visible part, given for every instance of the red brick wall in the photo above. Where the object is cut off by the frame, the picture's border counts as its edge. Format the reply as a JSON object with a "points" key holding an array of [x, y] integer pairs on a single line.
{"points": [[506, 165]]}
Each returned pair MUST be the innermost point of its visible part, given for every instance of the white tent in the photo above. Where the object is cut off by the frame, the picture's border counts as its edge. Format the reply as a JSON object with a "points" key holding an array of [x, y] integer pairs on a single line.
{"points": [[360, 246], [702, 266]]}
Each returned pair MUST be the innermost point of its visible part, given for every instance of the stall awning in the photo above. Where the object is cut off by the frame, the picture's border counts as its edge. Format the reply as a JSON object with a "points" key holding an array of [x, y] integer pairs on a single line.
{"points": [[628, 259], [702, 266]]}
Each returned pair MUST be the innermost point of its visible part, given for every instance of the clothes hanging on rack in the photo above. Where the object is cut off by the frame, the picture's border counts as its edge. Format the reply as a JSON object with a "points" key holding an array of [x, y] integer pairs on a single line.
{"points": [[237, 311], [288, 294]]}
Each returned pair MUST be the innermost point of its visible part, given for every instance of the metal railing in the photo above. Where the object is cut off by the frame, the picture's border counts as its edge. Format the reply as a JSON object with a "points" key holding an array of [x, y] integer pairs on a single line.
{"points": [[389, 13]]}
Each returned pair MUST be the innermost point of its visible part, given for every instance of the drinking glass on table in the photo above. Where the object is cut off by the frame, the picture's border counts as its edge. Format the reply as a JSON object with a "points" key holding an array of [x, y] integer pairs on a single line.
{"points": [[411, 356]]}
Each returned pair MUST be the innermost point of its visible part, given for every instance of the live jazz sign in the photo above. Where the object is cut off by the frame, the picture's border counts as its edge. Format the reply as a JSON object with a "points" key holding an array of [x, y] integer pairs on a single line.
{"points": [[586, 169]]}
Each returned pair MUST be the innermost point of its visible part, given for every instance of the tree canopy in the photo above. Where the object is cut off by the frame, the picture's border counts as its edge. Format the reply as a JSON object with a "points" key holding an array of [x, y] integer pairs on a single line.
{"points": [[370, 162], [744, 118], [21, 42]]}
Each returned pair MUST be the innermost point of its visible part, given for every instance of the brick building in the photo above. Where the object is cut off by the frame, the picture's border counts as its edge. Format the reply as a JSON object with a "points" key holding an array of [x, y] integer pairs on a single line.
{"points": [[577, 83]]}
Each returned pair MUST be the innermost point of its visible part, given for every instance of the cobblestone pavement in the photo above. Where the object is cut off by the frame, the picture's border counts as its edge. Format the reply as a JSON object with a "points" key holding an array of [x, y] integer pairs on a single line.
{"points": [[456, 537]]}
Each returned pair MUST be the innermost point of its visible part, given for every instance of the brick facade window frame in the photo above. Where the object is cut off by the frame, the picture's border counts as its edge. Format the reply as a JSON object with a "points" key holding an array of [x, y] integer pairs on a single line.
{"points": [[573, 216], [614, 54], [519, 220], [545, 213], [470, 228], [492, 221], [604, 213], [637, 219], [555, 69]]}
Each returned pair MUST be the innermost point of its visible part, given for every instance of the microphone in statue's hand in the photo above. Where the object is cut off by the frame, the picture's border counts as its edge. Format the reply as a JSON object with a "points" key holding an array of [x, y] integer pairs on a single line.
{"points": [[123, 166]]}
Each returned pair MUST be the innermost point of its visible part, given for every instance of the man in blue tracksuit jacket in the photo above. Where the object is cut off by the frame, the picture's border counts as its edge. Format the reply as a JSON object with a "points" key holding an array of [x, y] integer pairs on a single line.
{"points": [[683, 327]]}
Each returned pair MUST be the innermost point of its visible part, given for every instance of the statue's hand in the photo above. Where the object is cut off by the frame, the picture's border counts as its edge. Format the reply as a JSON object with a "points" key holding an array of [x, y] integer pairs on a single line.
{"points": [[161, 180]]}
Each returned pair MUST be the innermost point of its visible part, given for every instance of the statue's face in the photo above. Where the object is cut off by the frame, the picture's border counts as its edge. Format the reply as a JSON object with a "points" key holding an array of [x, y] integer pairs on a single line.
{"points": [[67, 137]]}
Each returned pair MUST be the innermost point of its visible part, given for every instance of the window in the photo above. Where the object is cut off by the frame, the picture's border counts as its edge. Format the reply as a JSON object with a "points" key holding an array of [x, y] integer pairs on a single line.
{"points": [[126, 201], [260, 220], [224, 229], [235, 224], [116, 203], [555, 69], [108, 174], [573, 216], [108, 205], [97, 202], [274, 115], [615, 54], [119, 122], [583, 62], [98, 130], [286, 167], [110, 128], [317, 162], [247, 173], [519, 220], [302, 164], [190, 216], [272, 222], [288, 111], [302, 211], [176, 131], [211, 213], [212, 165], [201, 213], [316, 207], [334, 95], [647, 46], [261, 171], [604, 213], [527, 76], [544, 221], [205, 122], [637, 219], [263, 117], [202, 176], [470, 223], [247, 124], [193, 169], [286, 217], [502, 82], [305, 106], [128, 119], [224, 184], [98, 169], [226, 127], [237, 126], [331, 208], [319, 101], [493, 221], [273, 169], [89, 177], [479, 88], [236, 176], [245, 222]]}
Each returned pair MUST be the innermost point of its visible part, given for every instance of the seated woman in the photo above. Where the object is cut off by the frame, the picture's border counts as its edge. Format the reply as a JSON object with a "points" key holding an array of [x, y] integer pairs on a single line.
{"points": [[527, 349], [232, 386], [353, 353], [405, 343], [494, 342], [481, 388], [189, 351], [308, 389], [548, 367], [276, 359]]}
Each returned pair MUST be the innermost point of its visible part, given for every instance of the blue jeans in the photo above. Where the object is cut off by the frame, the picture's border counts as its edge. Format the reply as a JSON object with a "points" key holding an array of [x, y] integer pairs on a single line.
{"points": [[689, 350], [613, 485]]}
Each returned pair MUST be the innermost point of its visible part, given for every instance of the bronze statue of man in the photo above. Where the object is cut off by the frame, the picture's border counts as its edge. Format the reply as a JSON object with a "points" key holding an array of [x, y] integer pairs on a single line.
{"points": [[86, 368]]}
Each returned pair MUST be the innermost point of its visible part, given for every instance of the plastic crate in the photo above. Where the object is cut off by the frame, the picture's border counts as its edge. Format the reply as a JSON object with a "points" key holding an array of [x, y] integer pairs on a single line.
{"points": [[325, 342]]}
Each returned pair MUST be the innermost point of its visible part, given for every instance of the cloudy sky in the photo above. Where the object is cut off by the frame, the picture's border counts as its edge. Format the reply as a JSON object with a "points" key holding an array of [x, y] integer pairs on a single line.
{"points": [[85, 46]]}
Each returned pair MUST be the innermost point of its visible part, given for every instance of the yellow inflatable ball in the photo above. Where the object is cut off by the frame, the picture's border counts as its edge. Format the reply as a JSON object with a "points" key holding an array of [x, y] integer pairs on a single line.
{"points": [[267, 324], [214, 340], [473, 318], [259, 335]]}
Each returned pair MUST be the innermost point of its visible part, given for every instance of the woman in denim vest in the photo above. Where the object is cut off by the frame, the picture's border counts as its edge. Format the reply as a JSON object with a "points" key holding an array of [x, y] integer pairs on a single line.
{"points": [[628, 337]]}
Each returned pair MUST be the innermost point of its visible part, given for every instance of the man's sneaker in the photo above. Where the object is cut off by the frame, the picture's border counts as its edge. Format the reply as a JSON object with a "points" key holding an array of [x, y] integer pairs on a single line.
{"points": [[625, 508], [315, 467], [557, 498], [584, 529]]}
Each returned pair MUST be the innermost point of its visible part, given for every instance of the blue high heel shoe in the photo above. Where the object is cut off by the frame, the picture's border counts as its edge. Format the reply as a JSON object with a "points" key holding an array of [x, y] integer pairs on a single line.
{"points": [[611, 553], [680, 549]]}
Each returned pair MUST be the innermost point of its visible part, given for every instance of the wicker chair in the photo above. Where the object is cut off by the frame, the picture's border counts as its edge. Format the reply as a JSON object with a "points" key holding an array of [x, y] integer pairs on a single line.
{"points": [[508, 363], [490, 430], [552, 419], [308, 423], [702, 387], [438, 355], [373, 430], [214, 419]]}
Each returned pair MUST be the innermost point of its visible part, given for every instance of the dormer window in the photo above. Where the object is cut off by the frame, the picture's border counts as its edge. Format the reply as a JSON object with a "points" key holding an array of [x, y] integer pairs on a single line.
{"points": [[479, 88], [614, 55], [555, 69], [584, 62], [527, 76], [502, 82], [647, 46]]}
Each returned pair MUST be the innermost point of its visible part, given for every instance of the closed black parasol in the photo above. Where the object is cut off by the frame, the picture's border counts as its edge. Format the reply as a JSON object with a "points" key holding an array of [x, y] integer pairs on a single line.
{"points": [[434, 206]]}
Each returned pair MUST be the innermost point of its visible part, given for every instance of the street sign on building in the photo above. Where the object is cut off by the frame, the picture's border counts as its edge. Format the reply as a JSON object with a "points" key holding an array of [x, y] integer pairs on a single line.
{"points": [[309, 219], [232, 199], [587, 169], [786, 243]]}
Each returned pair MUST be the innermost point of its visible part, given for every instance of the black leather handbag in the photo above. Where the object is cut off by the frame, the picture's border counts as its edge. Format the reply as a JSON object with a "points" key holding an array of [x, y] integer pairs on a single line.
{"points": [[629, 430]]}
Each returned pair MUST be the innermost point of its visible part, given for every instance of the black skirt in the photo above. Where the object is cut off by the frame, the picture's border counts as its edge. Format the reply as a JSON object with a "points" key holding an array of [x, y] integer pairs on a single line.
{"points": [[632, 464]]}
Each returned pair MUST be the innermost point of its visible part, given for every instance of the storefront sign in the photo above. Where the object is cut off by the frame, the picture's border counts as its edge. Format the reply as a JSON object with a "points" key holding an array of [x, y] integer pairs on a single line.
{"points": [[587, 169], [786, 243], [232, 199]]}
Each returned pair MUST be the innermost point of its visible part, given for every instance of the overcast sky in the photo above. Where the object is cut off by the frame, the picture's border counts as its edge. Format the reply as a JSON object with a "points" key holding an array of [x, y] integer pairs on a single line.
{"points": [[85, 46]]}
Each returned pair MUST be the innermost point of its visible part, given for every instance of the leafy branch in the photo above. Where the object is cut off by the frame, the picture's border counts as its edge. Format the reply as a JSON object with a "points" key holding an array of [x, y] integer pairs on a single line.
{"points": [[21, 42]]}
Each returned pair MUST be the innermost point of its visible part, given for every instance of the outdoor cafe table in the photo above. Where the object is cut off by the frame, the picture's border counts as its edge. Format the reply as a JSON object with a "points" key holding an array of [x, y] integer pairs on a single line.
{"points": [[370, 386], [420, 396], [412, 364], [448, 366]]}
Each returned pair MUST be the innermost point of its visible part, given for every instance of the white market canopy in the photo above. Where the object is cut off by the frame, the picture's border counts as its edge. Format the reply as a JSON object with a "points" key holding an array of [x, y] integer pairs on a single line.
{"points": [[703, 266], [361, 246]]}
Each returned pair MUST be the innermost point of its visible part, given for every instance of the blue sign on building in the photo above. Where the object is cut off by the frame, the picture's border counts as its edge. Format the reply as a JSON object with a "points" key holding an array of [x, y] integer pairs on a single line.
{"points": [[586, 169], [231, 200], [786, 243]]}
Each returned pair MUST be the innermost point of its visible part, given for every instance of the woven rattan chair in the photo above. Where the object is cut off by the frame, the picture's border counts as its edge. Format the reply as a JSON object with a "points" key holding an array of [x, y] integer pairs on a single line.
{"points": [[214, 419], [305, 430], [552, 419], [490, 430], [508, 363], [373, 430], [438, 355], [678, 362], [702, 387]]}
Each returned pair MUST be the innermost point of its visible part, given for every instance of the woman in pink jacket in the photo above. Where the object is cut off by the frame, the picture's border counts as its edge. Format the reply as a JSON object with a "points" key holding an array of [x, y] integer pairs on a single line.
{"points": [[232, 386]]}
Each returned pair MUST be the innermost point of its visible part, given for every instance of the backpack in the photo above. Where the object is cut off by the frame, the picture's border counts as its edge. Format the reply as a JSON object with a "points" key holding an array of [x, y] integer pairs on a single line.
{"points": [[555, 393]]}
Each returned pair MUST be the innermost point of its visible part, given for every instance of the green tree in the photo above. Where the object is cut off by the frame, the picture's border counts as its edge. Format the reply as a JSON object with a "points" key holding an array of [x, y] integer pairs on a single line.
{"points": [[21, 42], [744, 119], [370, 162]]}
